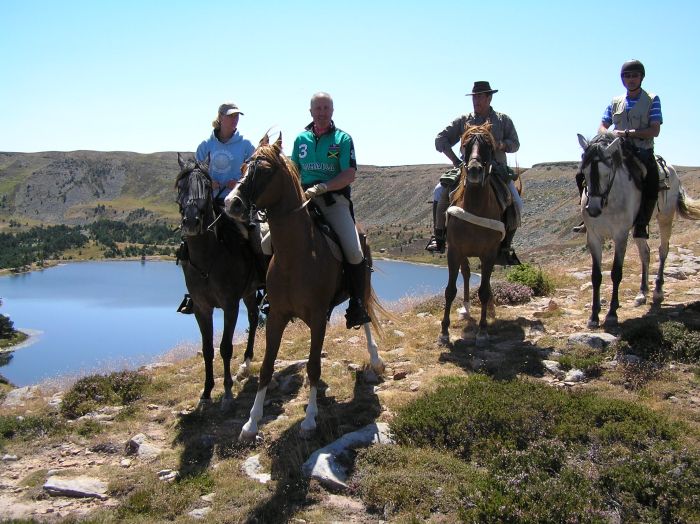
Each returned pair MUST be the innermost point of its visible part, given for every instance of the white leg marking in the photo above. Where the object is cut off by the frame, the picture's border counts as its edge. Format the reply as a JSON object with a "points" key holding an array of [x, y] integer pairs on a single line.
{"points": [[250, 428]]}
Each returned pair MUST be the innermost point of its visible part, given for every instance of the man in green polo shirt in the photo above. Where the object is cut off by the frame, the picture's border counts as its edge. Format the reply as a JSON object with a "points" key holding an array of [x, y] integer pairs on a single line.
{"points": [[325, 157]]}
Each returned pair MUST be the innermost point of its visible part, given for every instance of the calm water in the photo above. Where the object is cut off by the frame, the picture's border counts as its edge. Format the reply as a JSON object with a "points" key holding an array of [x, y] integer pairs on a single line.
{"points": [[99, 316]]}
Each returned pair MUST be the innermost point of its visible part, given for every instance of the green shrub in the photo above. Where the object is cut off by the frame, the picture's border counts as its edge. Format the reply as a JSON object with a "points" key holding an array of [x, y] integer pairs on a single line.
{"points": [[28, 426], [93, 391], [525, 452], [662, 342], [532, 277]]}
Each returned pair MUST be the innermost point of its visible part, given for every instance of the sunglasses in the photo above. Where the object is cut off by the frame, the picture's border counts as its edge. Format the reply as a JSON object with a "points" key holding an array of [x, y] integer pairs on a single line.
{"points": [[631, 75]]}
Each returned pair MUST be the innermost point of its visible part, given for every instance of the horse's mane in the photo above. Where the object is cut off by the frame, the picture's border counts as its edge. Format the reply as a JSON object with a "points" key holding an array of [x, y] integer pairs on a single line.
{"points": [[480, 132], [278, 161]]}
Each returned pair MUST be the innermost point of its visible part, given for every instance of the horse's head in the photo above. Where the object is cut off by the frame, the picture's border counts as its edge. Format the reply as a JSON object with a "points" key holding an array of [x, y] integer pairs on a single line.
{"points": [[602, 158], [262, 185], [194, 197], [478, 147]]}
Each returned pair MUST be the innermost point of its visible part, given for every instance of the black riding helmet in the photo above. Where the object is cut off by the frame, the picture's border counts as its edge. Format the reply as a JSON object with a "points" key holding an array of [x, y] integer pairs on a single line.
{"points": [[632, 66]]}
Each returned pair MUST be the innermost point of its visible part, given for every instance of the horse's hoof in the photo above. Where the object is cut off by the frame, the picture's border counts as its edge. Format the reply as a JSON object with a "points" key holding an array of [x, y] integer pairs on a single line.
{"points": [[247, 436], [378, 366], [226, 404], [463, 313], [243, 373], [658, 297], [593, 323], [610, 321], [444, 340], [306, 434], [640, 300], [204, 402]]}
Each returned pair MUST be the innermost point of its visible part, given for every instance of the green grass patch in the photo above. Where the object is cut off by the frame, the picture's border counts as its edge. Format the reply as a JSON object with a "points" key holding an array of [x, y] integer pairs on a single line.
{"points": [[91, 392], [532, 277], [516, 451]]}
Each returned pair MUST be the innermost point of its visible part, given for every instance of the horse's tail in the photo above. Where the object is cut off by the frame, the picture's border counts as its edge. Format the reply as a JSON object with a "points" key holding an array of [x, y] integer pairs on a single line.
{"points": [[687, 207], [376, 311]]}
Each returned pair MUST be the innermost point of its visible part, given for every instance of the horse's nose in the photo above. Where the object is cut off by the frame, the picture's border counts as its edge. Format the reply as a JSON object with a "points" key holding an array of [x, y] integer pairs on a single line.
{"points": [[592, 209], [190, 221]]}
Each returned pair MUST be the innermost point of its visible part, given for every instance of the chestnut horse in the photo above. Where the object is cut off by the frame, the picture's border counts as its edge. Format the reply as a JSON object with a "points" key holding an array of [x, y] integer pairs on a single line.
{"points": [[609, 207], [304, 279], [474, 227], [218, 273]]}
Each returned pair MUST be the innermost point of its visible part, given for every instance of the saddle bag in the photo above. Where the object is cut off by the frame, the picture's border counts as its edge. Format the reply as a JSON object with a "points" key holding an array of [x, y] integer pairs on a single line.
{"points": [[450, 178]]}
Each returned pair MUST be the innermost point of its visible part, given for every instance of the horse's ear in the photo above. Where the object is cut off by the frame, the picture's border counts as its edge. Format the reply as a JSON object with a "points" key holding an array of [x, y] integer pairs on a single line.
{"points": [[181, 161], [582, 141], [278, 143], [264, 141]]}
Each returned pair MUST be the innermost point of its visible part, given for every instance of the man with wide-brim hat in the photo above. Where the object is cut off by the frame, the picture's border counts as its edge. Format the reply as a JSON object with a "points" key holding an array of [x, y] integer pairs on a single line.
{"points": [[506, 138]]}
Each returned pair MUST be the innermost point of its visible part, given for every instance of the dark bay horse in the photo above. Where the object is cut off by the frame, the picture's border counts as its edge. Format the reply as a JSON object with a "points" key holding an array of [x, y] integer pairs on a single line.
{"points": [[219, 272], [609, 207], [304, 279], [474, 227]]}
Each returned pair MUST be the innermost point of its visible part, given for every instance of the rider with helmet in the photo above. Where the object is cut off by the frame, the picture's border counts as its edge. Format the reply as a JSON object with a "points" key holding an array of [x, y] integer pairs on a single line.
{"points": [[636, 117]]}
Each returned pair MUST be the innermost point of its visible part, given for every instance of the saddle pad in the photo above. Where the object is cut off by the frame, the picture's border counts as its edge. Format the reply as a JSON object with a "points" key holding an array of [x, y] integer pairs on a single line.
{"points": [[488, 223]]}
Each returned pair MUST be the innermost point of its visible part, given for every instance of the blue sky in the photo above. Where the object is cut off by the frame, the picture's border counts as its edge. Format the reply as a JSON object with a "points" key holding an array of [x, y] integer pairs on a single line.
{"points": [[148, 76]]}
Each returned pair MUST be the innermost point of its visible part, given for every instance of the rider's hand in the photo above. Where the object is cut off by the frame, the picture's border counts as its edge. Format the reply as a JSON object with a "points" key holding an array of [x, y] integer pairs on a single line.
{"points": [[315, 190]]}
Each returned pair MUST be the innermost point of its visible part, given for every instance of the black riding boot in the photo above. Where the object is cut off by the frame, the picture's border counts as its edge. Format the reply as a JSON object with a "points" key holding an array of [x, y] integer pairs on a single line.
{"points": [[650, 192], [646, 209], [356, 314], [506, 254]]}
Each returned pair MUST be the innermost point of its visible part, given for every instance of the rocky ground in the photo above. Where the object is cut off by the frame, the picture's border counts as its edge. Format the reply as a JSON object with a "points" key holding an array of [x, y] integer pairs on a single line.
{"points": [[71, 477]]}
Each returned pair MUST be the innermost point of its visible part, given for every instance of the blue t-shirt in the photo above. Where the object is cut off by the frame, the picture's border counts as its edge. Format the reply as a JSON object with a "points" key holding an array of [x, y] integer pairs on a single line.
{"points": [[225, 159]]}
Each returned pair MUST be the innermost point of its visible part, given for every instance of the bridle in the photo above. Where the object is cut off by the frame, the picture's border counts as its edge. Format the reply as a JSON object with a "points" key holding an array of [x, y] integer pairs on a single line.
{"points": [[252, 186], [475, 160], [594, 156]]}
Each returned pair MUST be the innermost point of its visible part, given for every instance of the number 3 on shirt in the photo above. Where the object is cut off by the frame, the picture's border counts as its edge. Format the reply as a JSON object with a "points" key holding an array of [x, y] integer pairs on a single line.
{"points": [[302, 150]]}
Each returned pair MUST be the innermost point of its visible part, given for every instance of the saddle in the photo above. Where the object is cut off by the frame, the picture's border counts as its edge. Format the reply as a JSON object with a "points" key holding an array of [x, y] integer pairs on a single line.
{"points": [[331, 236], [638, 171]]}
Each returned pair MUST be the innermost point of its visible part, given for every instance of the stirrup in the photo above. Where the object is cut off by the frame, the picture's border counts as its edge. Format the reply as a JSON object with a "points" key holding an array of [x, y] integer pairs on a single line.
{"points": [[640, 232], [356, 316], [263, 303], [435, 245], [581, 228], [186, 307]]}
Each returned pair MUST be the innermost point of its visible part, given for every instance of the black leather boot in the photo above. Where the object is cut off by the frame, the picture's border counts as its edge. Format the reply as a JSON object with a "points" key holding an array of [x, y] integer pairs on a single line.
{"points": [[263, 263], [506, 254], [356, 314]]}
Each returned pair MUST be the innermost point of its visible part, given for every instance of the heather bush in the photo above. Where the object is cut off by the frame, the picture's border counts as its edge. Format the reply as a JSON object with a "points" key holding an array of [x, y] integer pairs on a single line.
{"points": [[93, 391], [519, 451], [504, 293]]}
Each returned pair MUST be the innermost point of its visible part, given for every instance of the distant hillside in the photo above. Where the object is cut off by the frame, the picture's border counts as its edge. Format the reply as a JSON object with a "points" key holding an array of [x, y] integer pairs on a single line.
{"points": [[80, 187]]}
